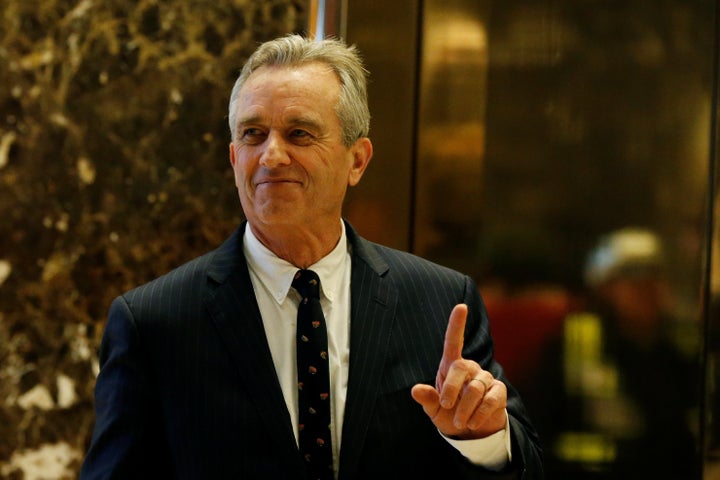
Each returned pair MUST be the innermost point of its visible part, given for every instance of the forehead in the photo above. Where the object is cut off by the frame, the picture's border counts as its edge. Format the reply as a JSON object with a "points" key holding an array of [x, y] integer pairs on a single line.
{"points": [[311, 84]]}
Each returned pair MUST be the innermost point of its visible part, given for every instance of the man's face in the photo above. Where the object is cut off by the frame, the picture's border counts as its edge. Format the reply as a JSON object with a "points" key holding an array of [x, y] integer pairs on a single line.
{"points": [[291, 167]]}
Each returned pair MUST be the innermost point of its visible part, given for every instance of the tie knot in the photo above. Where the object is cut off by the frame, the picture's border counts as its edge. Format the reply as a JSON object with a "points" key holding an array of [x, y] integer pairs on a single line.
{"points": [[307, 283]]}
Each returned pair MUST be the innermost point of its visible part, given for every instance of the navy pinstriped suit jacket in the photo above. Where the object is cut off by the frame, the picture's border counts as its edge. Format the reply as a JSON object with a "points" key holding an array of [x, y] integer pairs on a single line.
{"points": [[187, 387]]}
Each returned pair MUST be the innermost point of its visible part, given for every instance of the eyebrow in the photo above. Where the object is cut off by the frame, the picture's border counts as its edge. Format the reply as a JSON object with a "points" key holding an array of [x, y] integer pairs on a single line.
{"points": [[299, 121]]}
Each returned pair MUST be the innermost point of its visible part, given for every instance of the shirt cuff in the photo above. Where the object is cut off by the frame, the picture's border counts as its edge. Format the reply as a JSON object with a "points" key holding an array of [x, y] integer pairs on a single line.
{"points": [[492, 452]]}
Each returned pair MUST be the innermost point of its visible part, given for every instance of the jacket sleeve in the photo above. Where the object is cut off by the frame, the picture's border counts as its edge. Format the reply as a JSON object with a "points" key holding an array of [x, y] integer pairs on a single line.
{"points": [[126, 442], [526, 461]]}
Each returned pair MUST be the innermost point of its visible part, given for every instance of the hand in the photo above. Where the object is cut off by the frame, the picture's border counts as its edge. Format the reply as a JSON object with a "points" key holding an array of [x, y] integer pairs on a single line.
{"points": [[467, 402]]}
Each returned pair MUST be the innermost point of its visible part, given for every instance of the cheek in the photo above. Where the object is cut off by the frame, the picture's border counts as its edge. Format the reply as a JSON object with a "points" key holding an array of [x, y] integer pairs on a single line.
{"points": [[336, 187], [339, 171], [237, 175], [241, 170]]}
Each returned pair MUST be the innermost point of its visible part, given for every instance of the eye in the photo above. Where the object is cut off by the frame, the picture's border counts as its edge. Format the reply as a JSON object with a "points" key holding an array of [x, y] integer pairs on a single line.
{"points": [[252, 135], [300, 137], [297, 133]]}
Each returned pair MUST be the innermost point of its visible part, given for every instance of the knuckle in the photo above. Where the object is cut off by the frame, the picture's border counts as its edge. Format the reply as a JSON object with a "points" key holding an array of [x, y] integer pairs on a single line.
{"points": [[476, 387], [493, 401]]}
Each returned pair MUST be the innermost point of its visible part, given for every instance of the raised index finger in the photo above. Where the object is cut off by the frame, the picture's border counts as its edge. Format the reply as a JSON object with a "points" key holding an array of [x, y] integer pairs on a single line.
{"points": [[455, 334]]}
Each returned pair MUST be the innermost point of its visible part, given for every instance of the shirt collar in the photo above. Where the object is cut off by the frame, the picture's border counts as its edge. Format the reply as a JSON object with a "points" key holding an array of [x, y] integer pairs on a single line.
{"points": [[277, 274]]}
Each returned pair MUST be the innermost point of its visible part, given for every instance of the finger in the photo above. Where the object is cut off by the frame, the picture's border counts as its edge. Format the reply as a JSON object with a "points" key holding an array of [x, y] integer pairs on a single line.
{"points": [[460, 373], [473, 394], [471, 398], [427, 397], [455, 334], [490, 413]]}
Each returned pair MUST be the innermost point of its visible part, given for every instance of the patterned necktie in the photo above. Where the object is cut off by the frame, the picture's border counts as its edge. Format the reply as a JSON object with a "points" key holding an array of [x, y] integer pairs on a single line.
{"points": [[313, 378]]}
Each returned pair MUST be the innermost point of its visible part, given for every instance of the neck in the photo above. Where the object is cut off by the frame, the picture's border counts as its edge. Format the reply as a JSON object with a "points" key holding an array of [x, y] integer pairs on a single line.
{"points": [[300, 246]]}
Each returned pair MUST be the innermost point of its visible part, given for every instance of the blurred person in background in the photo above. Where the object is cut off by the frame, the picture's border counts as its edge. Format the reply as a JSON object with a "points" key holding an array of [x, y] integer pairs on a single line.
{"points": [[629, 390]]}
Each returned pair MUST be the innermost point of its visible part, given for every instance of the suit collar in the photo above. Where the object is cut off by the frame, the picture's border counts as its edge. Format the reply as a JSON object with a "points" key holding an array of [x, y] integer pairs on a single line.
{"points": [[228, 257], [366, 251]]}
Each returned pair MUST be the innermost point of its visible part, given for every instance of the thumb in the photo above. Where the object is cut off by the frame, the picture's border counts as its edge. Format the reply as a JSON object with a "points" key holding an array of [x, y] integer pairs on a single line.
{"points": [[427, 397]]}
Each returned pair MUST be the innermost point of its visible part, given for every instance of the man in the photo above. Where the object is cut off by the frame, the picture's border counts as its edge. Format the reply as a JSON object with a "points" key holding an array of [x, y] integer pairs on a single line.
{"points": [[199, 376]]}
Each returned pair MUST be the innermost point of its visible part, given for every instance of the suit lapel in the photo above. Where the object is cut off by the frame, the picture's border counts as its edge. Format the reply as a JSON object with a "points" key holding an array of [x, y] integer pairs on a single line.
{"points": [[233, 308], [373, 304]]}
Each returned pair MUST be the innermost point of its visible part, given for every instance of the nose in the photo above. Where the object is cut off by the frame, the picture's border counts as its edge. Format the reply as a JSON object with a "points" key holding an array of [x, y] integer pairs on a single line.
{"points": [[274, 153]]}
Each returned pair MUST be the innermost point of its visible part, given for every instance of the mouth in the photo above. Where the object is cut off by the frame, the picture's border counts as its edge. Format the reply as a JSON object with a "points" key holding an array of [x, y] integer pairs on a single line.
{"points": [[275, 182]]}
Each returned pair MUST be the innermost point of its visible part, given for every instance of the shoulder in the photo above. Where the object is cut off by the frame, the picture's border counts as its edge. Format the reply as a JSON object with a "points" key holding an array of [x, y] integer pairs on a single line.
{"points": [[411, 263], [403, 267], [177, 287], [186, 280]]}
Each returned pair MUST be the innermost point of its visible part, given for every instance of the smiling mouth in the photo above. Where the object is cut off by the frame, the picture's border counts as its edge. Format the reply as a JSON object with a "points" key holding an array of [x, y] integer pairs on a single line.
{"points": [[277, 181]]}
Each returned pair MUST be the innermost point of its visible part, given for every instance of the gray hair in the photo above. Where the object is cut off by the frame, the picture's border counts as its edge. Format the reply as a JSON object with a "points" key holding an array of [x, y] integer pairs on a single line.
{"points": [[292, 50]]}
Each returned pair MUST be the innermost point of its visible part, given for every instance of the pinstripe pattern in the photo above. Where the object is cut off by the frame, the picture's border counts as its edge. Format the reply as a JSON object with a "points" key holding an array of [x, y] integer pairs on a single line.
{"points": [[188, 390]]}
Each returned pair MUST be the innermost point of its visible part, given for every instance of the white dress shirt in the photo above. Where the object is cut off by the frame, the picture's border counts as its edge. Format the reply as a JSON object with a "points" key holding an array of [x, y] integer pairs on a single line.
{"points": [[272, 278]]}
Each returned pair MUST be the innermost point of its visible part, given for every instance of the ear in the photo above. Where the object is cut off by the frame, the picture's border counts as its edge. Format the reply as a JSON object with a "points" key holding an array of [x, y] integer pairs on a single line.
{"points": [[232, 154], [362, 152]]}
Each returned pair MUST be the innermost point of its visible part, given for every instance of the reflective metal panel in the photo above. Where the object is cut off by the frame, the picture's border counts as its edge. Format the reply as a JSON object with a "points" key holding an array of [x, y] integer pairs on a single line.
{"points": [[563, 161], [451, 127], [711, 418], [561, 156], [386, 34], [711, 410]]}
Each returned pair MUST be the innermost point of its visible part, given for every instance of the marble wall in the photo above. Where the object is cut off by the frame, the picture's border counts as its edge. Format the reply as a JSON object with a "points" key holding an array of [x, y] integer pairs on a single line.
{"points": [[113, 169]]}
